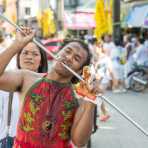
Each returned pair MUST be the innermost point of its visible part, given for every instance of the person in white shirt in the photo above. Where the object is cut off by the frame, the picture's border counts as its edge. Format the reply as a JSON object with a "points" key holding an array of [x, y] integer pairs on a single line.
{"points": [[101, 66], [141, 55], [118, 58], [108, 44]]}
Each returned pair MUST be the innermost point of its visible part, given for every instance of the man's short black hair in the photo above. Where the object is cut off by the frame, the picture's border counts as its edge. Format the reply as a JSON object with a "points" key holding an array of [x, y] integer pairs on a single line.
{"points": [[85, 47]]}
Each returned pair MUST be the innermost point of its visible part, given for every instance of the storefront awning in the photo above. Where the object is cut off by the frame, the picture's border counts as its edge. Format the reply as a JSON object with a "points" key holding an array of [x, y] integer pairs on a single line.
{"points": [[79, 21], [138, 16]]}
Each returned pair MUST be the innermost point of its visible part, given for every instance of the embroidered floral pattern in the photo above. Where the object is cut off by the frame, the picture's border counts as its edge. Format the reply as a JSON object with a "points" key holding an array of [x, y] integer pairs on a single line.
{"points": [[67, 114], [47, 114], [29, 120], [33, 108], [69, 105], [37, 99], [29, 116]]}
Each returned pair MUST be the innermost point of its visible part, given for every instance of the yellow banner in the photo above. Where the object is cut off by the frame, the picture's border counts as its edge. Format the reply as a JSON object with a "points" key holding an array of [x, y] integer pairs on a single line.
{"points": [[46, 22], [103, 17]]}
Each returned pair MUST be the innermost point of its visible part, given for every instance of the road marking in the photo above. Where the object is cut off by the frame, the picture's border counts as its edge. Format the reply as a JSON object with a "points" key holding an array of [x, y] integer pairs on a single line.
{"points": [[107, 127]]}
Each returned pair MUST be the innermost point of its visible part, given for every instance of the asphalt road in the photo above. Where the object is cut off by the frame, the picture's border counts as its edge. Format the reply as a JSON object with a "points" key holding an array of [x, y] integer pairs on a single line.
{"points": [[118, 132]]}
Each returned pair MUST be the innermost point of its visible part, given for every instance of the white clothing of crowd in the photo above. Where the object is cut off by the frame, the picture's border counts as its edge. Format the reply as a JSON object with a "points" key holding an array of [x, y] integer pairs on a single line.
{"points": [[4, 99]]}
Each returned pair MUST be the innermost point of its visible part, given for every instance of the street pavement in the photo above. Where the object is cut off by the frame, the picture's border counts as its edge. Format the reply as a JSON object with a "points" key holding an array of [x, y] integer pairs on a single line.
{"points": [[118, 132]]}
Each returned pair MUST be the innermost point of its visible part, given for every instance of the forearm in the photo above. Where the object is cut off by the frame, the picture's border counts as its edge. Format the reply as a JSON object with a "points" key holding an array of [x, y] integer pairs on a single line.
{"points": [[83, 129], [6, 56], [22, 38]]}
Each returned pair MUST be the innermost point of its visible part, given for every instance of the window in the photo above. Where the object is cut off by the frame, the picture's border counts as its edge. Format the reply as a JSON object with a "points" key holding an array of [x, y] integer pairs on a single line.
{"points": [[70, 3], [27, 11], [1, 8]]}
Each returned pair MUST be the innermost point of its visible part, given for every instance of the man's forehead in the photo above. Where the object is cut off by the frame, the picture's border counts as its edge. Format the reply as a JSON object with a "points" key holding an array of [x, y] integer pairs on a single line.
{"points": [[74, 45]]}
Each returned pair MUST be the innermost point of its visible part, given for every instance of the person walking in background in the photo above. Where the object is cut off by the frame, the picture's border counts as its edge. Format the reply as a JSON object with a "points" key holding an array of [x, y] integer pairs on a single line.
{"points": [[108, 44], [103, 69], [118, 58]]}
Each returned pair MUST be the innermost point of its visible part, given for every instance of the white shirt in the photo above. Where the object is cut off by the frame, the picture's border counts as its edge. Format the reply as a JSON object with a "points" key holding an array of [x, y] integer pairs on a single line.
{"points": [[103, 66], [108, 47], [4, 99], [3, 46], [141, 55]]}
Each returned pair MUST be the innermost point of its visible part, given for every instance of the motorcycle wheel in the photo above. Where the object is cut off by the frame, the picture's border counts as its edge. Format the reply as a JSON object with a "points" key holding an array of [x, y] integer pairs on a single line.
{"points": [[136, 86]]}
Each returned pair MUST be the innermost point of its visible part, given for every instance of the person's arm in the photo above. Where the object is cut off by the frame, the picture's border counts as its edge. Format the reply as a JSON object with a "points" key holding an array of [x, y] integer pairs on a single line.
{"points": [[10, 81], [83, 124], [84, 117], [20, 41]]}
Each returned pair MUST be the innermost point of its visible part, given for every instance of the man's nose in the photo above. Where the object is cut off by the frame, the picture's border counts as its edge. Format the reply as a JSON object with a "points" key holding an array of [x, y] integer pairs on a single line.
{"points": [[69, 57]]}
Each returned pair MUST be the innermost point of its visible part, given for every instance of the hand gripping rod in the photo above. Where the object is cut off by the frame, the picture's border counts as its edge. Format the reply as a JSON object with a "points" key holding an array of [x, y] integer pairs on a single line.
{"points": [[80, 78]]}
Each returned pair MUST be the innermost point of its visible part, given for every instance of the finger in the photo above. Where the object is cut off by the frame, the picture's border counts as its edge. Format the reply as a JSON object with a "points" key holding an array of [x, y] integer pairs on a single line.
{"points": [[100, 91], [28, 30], [25, 30]]}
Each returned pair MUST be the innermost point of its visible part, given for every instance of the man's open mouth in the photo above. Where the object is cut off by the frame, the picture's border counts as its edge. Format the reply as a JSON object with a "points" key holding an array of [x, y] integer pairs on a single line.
{"points": [[66, 63]]}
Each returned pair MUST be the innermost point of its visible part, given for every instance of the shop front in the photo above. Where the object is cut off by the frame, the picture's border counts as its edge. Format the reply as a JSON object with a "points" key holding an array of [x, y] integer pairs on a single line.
{"points": [[138, 16]]}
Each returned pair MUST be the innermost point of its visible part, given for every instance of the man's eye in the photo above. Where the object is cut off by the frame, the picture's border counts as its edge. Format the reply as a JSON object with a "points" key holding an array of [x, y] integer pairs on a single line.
{"points": [[77, 58], [67, 51]]}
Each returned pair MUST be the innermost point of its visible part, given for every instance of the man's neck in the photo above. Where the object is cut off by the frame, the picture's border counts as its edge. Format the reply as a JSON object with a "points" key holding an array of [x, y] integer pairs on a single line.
{"points": [[52, 75]]}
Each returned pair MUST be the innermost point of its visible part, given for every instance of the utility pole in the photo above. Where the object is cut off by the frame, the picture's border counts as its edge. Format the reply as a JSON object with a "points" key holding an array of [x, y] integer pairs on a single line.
{"points": [[17, 11], [4, 5], [60, 14], [116, 20]]}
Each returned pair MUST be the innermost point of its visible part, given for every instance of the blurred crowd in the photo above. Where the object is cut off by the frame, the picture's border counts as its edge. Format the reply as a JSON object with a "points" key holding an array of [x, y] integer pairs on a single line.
{"points": [[5, 41], [113, 61]]}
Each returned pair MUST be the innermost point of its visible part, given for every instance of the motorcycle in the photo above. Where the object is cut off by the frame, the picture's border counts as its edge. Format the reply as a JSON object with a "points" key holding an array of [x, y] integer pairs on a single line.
{"points": [[138, 77]]}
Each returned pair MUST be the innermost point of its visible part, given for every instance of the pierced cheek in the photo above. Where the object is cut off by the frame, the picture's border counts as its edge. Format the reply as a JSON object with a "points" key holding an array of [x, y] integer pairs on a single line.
{"points": [[66, 56]]}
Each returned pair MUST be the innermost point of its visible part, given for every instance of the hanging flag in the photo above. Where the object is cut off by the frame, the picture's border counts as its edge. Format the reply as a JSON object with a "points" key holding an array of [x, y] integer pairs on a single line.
{"points": [[46, 22], [108, 12], [101, 22], [103, 17]]}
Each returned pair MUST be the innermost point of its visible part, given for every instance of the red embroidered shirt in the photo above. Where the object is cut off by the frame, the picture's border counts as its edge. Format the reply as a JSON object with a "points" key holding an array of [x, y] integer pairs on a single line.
{"points": [[47, 116]]}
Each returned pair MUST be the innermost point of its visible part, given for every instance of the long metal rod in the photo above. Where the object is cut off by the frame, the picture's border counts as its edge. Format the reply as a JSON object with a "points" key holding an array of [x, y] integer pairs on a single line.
{"points": [[79, 77], [125, 116], [42, 47]]}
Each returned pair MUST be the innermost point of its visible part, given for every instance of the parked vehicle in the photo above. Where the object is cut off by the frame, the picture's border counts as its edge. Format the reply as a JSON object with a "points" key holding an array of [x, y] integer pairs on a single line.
{"points": [[52, 45], [138, 78]]}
